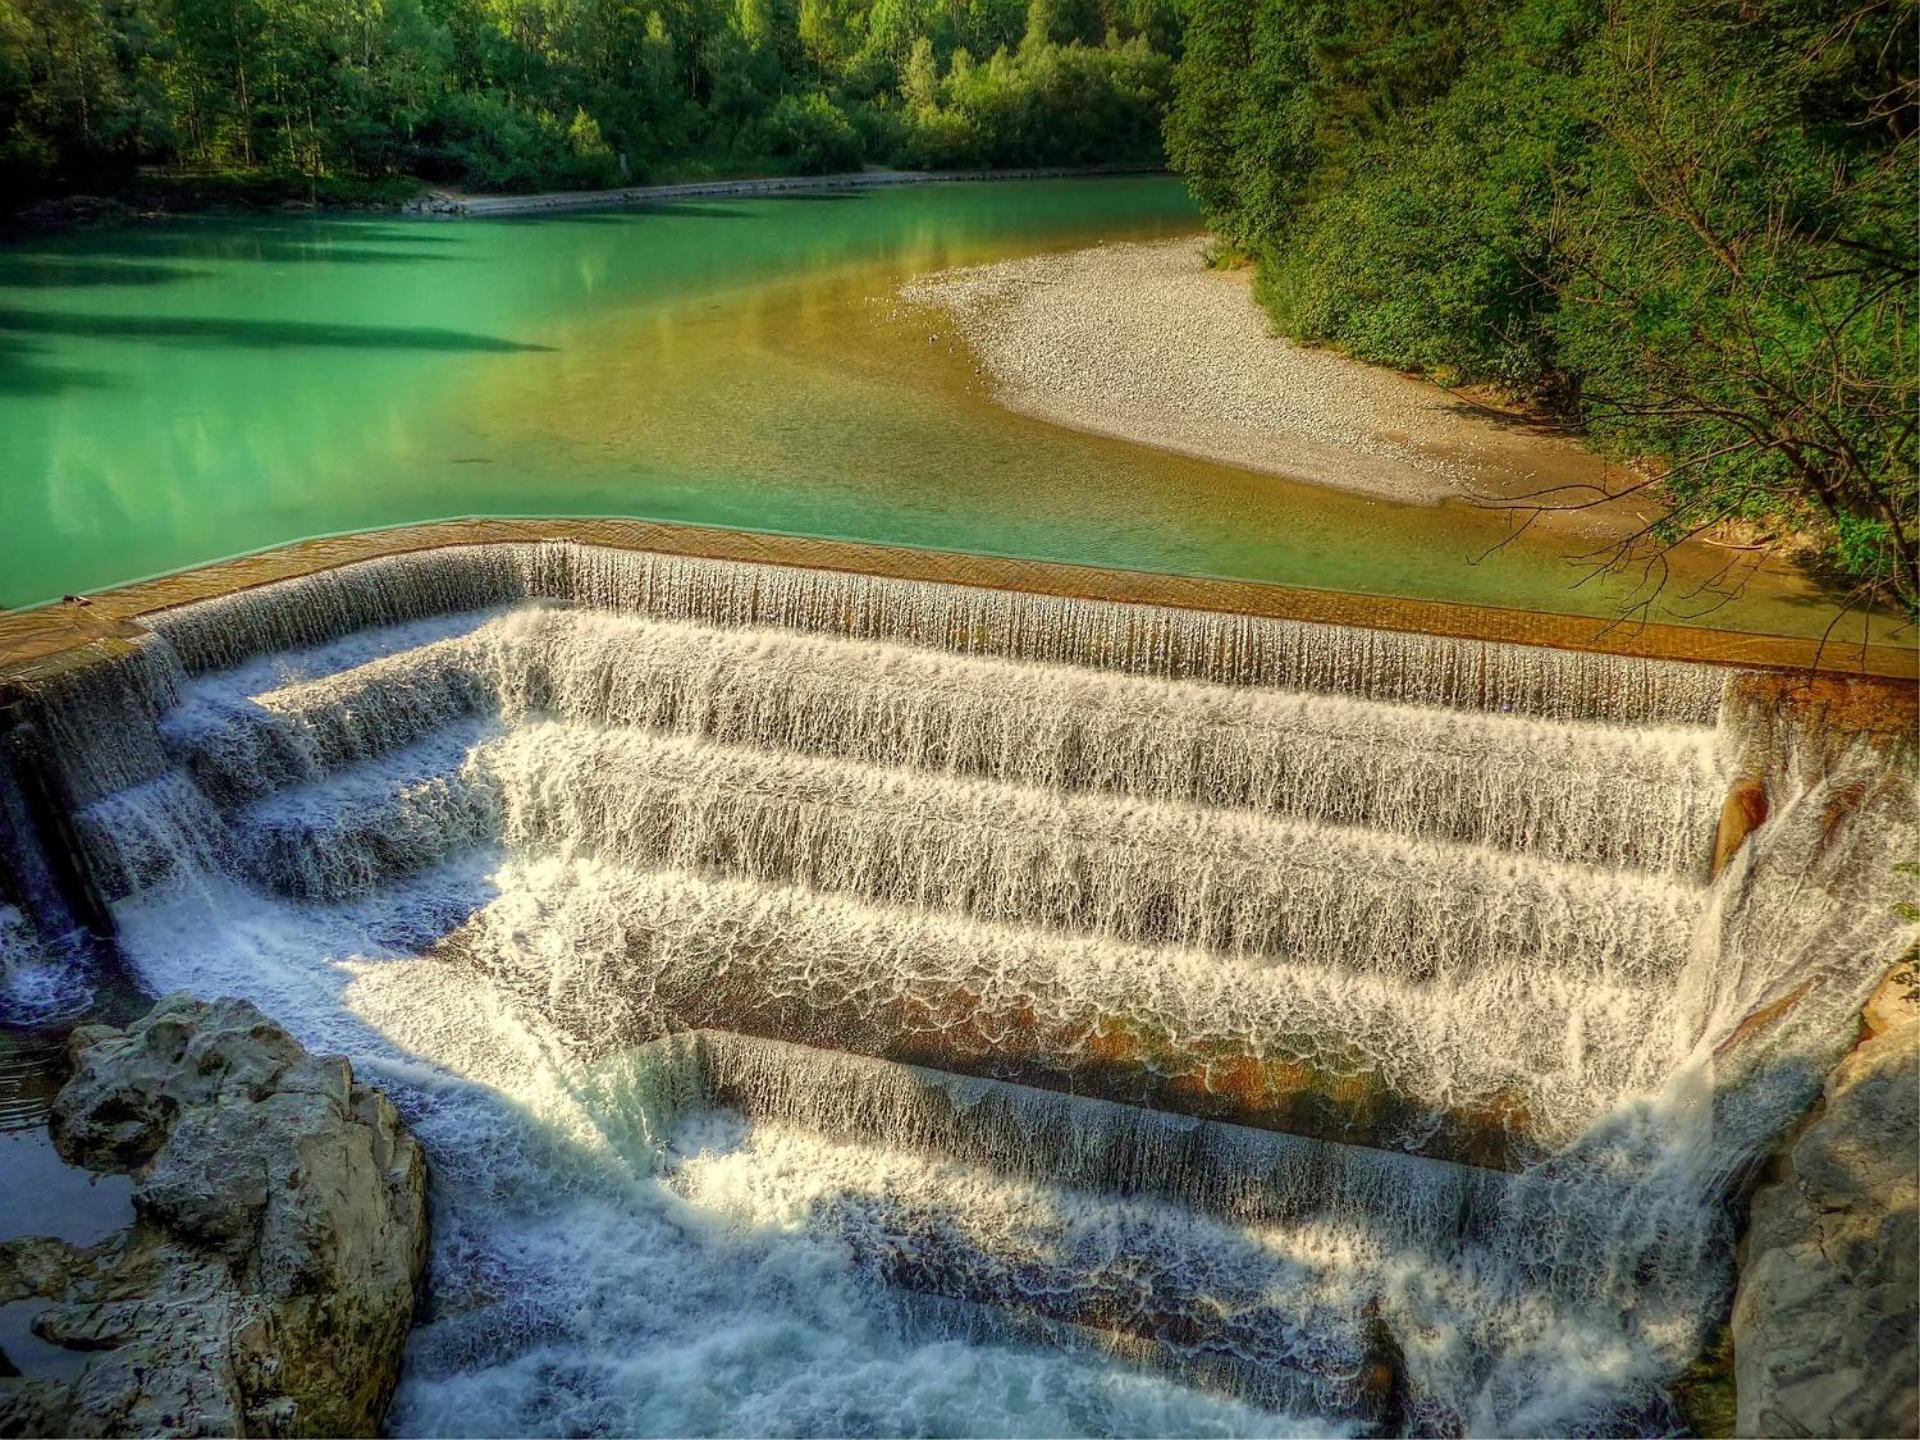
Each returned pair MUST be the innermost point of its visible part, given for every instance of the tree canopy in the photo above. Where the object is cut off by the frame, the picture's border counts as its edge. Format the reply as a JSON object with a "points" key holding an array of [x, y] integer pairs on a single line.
{"points": [[529, 94], [1686, 224]]}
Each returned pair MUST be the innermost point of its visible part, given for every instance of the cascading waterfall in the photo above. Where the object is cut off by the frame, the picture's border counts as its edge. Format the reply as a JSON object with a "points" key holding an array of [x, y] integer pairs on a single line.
{"points": [[16, 934], [1135, 639], [1208, 1020], [1179, 874], [1550, 788]]}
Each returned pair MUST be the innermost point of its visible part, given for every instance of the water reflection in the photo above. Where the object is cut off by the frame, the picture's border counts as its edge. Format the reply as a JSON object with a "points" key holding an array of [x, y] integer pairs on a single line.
{"points": [[171, 394]]}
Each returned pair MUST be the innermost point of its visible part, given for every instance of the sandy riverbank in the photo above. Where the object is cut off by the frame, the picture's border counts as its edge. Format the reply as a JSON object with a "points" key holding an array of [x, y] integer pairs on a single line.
{"points": [[1144, 343]]}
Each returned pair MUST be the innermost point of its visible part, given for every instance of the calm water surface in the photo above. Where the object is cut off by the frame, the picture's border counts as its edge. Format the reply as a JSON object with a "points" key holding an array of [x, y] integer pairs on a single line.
{"points": [[175, 394]]}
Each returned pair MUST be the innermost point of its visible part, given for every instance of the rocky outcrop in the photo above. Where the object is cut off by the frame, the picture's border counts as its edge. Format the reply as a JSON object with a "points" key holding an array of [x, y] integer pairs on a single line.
{"points": [[1743, 812], [267, 1284], [1826, 1323]]}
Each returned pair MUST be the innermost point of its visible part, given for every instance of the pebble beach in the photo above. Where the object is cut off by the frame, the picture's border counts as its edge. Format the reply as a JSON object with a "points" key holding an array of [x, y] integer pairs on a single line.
{"points": [[1144, 342]]}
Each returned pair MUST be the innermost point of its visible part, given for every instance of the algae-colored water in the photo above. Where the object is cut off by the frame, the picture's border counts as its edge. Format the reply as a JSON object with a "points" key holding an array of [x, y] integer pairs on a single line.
{"points": [[173, 394]]}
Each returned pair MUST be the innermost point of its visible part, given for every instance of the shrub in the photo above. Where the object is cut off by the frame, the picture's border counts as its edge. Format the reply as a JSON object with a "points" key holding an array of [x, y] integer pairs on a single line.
{"points": [[811, 132]]}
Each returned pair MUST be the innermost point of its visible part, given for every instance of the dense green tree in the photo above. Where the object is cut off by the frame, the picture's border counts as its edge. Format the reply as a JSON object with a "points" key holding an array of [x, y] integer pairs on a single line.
{"points": [[1738, 271], [80, 90], [1685, 224], [522, 94]]}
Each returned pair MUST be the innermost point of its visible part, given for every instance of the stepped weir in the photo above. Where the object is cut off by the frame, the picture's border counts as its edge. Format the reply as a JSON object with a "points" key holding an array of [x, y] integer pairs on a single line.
{"points": [[913, 1005]]}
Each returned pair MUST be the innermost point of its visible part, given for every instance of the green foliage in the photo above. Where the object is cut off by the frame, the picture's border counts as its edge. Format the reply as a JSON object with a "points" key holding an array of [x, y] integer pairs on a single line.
{"points": [[1906, 909], [1740, 269], [1707, 1392], [1046, 104], [78, 89], [531, 94], [493, 144], [1687, 224], [812, 133]]}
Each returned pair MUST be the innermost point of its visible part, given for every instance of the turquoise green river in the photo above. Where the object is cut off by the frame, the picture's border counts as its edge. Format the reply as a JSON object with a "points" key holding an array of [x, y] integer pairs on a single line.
{"points": [[176, 393]]}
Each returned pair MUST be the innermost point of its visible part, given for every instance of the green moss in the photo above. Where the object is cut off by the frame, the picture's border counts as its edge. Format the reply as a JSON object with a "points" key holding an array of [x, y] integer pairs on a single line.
{"points": [[1705, 1393]]}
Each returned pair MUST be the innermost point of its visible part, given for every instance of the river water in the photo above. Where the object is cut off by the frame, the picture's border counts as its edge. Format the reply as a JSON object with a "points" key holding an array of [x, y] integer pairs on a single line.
{"points": [[175, 393]]}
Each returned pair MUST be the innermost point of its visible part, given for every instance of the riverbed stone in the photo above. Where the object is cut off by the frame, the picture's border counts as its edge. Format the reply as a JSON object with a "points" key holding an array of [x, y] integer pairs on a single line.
{"points": [[1826, 1321], [267, 1284], [1743, 812]]}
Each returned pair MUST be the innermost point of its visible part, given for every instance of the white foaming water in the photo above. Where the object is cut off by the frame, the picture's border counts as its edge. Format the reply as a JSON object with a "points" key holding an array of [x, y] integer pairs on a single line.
{"points": [[39, 983], [495, 856], [1131, 869], [1165, 1285], [1553, 789], [1137, 639], [616, 956], [574, 1290], [16, 935]]}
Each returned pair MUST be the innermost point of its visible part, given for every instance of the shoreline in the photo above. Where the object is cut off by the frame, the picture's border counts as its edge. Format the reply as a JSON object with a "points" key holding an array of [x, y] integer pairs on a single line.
{"points": [[60, 214], [452, 205], [1141, 342]]}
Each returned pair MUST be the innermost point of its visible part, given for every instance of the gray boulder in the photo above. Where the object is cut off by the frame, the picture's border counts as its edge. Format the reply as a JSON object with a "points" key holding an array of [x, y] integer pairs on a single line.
{"points": [[1826, 1321], [267, 1284]]}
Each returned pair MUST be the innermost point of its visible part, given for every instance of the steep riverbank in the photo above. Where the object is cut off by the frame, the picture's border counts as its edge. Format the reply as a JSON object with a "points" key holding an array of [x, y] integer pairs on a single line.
{"points": [[1145, 343]]}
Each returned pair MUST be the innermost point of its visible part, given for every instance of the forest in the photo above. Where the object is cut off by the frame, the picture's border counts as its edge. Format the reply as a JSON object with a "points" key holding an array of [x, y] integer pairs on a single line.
{"points": [[338, 96], [1686, 226]]}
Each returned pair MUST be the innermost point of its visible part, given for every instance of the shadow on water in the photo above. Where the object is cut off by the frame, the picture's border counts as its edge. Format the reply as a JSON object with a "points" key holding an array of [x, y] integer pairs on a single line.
{"points": [[408, 233], [631, 213], [320, 250], [814, 196], [254, 334], [693, 212], [612, 215], [287, 241], [37, 272], [23, 372]]}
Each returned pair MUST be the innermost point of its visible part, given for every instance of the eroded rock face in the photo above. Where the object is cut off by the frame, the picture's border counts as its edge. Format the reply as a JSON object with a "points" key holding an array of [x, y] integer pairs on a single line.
{"points": [[1743, 812], [267, 1284], [1826, 1324]]}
